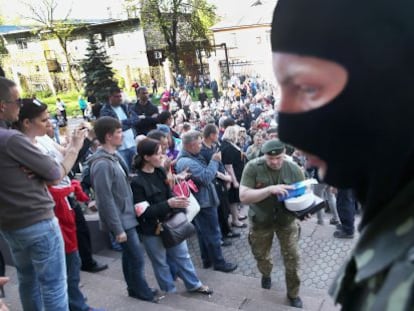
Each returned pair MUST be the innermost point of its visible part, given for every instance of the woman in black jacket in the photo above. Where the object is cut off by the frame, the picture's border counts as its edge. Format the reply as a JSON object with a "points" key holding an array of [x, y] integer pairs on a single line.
{"points": [[154, 201]]}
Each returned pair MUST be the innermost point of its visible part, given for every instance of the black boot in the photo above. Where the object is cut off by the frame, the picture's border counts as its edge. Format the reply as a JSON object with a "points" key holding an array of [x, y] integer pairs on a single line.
{"points": [[266, 282]]}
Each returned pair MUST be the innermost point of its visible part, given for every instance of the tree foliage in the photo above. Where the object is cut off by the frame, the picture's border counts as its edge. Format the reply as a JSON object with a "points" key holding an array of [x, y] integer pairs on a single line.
{"points": [[43, 12], [98, 75], [178, 22]]}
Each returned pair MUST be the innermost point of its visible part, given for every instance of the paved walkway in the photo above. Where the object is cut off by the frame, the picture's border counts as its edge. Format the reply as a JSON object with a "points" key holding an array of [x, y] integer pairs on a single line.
{"points": [[321, 255]]}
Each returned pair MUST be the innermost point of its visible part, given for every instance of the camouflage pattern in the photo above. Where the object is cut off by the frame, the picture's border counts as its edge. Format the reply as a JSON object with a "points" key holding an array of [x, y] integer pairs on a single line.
{"points": [[260, 240], [380, 272], [269, 217]]}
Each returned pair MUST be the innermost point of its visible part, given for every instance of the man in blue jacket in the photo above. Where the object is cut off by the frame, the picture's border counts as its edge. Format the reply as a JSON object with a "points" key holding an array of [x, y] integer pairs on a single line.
{"points": [[206, 221], [129, 119]]}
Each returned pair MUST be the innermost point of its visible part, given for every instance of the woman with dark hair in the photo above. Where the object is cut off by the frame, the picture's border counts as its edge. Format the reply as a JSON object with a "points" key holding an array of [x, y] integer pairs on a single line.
{"points": [[35, 123], [154, 201]]}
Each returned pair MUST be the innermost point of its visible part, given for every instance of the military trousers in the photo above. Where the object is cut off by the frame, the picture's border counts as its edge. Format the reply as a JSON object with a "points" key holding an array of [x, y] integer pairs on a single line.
{"points": [[260, 240]]}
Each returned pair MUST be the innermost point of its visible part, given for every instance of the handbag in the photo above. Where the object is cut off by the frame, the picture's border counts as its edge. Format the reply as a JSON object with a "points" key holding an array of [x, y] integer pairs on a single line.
{"points": [[182, 188], [176, 229]]}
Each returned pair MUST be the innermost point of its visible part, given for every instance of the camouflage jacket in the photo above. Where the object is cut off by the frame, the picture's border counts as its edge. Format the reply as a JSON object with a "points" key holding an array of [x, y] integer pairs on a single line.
{"points": [[379, 274]]}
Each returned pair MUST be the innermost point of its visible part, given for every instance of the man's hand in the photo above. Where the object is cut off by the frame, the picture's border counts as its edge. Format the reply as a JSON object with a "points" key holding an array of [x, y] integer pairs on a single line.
{"points": [[3, 306], [3, 280], [307, 217], [77, 138], [280, 189], [183, 175], [217, 156], [121, 238], [28, 172]]}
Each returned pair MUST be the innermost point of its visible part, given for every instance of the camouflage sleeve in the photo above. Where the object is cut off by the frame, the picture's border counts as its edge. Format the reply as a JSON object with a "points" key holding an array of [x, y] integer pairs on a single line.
{"points": [[249, 175]]}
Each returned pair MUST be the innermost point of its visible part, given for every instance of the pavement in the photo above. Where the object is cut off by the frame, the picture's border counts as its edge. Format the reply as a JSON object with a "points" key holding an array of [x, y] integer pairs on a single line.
{"points": [[321, 255]]}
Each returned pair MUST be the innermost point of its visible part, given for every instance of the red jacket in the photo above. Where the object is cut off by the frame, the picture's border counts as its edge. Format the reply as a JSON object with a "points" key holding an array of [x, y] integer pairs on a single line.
{"points": [[65, 213]]}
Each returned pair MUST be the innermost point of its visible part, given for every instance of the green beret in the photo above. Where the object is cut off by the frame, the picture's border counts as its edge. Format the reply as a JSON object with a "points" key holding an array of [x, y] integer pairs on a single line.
{"points": [[273, 147]]}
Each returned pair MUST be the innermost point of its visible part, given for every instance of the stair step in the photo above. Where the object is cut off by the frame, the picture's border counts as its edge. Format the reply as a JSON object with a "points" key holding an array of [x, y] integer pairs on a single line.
{"points": [[231, 292]]}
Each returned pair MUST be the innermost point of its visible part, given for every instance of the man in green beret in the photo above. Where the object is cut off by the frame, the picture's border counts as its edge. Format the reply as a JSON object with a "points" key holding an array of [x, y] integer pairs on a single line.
{"points": [[263, 179]]}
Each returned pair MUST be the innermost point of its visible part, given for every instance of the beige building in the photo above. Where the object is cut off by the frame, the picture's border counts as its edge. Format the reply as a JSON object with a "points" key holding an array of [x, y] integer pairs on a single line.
{"points": [[37, 63], [246, 33]]}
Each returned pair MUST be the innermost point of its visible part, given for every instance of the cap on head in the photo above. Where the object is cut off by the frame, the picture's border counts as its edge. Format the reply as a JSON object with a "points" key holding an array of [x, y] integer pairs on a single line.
{"points": [[273, 147]]}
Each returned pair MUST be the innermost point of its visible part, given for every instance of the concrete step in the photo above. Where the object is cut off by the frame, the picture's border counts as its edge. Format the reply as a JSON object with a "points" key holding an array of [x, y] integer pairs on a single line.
{"points": [[231, 292], [230, 289]]}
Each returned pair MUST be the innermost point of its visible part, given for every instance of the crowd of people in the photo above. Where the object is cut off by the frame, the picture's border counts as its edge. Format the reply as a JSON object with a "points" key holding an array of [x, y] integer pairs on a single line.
{"points": [[134, 153]]}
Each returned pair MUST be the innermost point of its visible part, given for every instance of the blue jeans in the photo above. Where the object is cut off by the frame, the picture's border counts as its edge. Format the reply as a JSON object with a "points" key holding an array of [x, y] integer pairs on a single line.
{"points": [[133, 267], [77, 301], [128, 155], [39, 256], [209, 236], [178, 256]]}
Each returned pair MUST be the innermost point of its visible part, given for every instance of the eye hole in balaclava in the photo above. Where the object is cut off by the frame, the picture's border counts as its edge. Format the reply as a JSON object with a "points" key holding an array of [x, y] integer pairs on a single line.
{"points": [[365, 134]]}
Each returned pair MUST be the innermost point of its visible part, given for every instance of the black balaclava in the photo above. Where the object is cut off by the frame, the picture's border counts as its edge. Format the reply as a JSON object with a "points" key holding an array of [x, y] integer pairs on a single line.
{"points": [[366, 134]]}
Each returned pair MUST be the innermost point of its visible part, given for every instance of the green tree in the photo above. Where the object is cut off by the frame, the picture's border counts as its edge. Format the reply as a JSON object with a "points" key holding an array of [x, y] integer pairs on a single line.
{"points": [[178, 22], [43, 12], [98, 74]]}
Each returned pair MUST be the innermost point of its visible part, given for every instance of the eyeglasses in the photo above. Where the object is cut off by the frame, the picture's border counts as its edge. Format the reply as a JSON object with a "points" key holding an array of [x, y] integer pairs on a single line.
{"points": [[17, 102]]}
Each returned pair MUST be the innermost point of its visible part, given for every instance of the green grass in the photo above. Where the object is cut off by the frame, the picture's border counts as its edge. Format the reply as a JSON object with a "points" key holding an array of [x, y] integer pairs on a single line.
{"points": [[70, 99]]}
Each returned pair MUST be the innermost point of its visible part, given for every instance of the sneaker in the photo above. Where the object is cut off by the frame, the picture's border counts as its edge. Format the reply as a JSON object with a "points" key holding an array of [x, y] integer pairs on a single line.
{"points": [[226, 267], [266, 282], [295, 302], [340, 234]]}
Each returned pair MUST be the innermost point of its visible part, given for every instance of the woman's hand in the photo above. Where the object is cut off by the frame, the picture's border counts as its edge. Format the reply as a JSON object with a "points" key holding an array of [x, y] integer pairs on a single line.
{"points": [[178, 202]]}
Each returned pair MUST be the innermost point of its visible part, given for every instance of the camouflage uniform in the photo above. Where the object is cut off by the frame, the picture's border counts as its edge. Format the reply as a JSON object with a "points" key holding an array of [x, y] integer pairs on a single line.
{"points": [[268, 217], [380, 272]]}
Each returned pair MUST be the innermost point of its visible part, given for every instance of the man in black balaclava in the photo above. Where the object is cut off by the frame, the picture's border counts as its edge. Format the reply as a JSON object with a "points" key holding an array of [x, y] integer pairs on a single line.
{"points": [[345, 68]]}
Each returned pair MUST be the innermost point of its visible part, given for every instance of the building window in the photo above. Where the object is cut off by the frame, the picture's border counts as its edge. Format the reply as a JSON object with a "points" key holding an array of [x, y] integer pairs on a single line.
{"points": [[110, 40], [132, 12], [21, 43], [258, 40]]}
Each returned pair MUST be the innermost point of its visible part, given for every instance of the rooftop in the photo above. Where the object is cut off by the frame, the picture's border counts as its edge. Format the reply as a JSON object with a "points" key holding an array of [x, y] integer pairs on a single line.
{"points": [[260, 12]]}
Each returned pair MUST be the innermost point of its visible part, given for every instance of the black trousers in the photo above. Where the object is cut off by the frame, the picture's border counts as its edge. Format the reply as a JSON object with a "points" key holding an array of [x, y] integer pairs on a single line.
{"points": [[83, 235], [346, 205], [224, 207]]}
